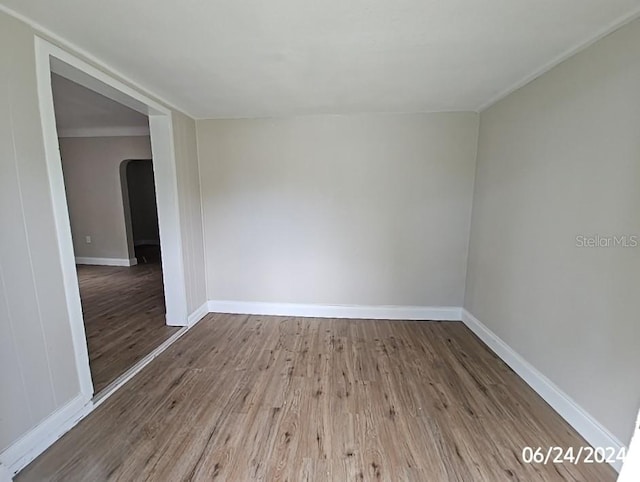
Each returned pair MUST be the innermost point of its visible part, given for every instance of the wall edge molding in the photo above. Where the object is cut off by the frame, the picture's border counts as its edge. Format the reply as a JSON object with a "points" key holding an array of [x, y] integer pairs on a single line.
{"points": [[585, 424], [42, 436], [106, 261], [611, 27], [382, 312]]}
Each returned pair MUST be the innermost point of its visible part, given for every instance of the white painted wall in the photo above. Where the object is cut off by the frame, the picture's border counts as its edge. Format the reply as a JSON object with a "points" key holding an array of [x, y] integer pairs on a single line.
{"points": [[360, 209], [37, 365], [558, 159], [91, 167]]}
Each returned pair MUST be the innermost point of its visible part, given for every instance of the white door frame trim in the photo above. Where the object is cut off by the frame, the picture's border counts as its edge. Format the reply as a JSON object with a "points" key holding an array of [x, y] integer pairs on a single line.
{"points": [[50, 58]]}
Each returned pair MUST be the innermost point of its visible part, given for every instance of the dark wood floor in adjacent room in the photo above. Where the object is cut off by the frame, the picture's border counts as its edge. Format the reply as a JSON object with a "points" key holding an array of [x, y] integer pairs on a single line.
{"points": [[242, 398], [124, 317]]}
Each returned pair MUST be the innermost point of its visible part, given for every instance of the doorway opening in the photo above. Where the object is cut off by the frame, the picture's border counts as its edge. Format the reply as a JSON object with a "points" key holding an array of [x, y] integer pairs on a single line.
{"points": [[114, 227], [122, 313], [141, 209]]}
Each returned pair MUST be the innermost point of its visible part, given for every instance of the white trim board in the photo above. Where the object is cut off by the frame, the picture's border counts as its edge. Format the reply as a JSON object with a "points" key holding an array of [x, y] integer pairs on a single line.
{"points": [[38, 439], [389, 312], [107, 261], [587, 426], [43, 56]]}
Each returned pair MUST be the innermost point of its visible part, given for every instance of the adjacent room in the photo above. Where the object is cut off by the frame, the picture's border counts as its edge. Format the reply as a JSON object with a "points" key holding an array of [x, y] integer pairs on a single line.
{"points": [[320, 241], [105, 150]]}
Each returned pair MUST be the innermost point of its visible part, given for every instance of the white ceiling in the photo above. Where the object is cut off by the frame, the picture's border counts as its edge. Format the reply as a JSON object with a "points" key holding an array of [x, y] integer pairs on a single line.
{"points": [[254, 58], [83, 112]]}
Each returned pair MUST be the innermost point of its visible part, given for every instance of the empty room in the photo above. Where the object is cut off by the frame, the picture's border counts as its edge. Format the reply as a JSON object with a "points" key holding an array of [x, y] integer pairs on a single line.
{"points": [[322, 241]]}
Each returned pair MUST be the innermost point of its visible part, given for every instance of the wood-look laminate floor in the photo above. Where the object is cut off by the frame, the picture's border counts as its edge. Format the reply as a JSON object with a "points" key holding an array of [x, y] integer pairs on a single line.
{"points": [[242, 398], [124, 317]]}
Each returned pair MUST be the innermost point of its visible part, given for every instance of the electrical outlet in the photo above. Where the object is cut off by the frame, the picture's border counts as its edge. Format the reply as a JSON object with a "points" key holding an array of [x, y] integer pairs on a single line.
{"points": [[87, 239]]}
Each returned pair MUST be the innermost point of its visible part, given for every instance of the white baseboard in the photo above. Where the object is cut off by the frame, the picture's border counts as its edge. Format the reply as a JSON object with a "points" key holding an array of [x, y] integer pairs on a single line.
{"points": [[587, 426], [107, 261], [43, 435], [197, 315], [435, 313]]}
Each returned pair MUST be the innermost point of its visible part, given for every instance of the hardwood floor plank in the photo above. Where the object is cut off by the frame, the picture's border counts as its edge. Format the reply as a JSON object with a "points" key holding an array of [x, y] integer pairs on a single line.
{"points": [[280, 398]]}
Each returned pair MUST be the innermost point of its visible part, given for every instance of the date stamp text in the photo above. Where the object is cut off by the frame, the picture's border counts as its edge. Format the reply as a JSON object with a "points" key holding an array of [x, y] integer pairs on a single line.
{"points": [[573, 455]]}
